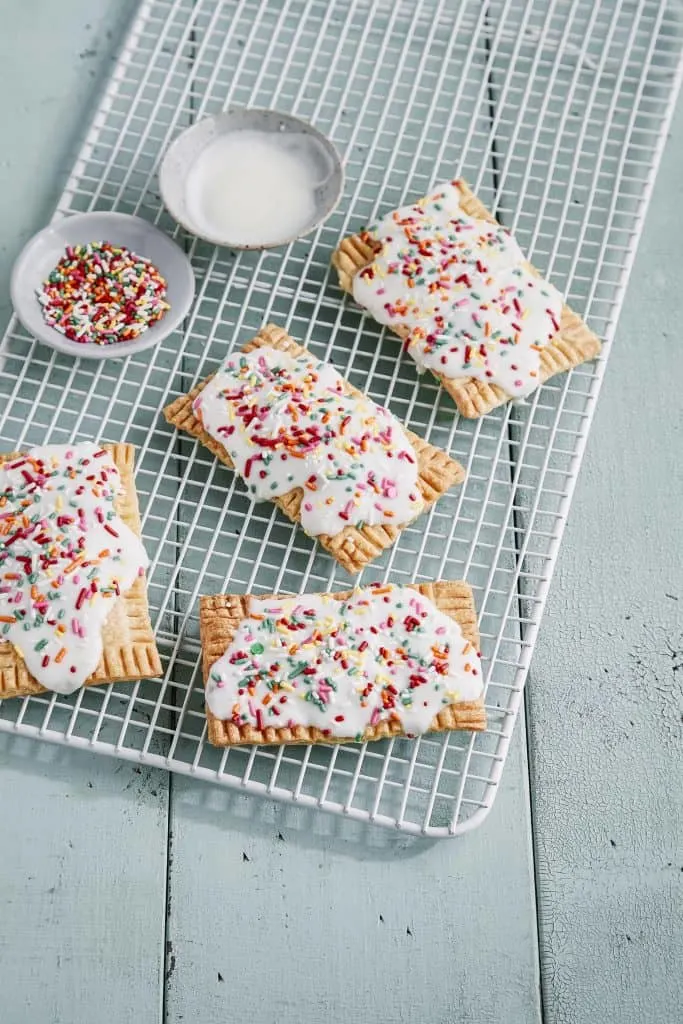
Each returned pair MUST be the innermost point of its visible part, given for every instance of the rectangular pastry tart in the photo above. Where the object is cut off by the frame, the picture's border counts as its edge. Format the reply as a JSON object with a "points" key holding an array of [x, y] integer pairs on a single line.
{"points": [[362, 665], [329, 457], [73, 598], [455, 286]]}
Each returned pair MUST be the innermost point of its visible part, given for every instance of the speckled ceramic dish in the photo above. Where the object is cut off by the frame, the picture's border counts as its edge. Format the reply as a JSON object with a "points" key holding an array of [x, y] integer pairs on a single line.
{"points": [[185, 150], [44, 250]]}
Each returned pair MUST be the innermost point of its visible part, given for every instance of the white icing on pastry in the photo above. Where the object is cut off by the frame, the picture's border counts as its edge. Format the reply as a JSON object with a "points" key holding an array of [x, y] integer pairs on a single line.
{"points": [[65, 558], [286, 422], [460, 288], [384, 653]]}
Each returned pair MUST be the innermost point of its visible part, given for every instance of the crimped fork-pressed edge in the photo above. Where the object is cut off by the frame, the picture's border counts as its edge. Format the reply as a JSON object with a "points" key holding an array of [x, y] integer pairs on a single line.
{"points": [[573, 344], [353, 548], [220, 616], [129, 650]]}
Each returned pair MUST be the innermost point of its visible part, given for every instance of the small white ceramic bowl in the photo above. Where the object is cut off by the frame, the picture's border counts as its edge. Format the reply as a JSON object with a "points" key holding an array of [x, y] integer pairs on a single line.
{"points": [[43, 252], [184, 151]]}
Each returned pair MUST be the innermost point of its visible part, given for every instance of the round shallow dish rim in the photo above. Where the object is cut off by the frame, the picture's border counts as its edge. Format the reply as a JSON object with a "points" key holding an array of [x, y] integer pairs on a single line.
{"points": [[193, 228], [49, 336]]}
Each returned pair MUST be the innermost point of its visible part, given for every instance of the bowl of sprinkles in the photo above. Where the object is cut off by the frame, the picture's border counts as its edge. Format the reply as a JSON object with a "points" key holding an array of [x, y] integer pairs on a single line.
{"points": [[101, 285]]}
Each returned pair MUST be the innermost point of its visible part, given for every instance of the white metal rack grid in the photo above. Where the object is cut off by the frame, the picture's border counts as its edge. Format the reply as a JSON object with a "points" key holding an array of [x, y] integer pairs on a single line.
{"points": [[556, 113]]}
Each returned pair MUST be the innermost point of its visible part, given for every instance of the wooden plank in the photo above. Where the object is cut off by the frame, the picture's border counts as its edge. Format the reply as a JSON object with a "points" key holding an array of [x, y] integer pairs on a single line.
{"points": [[604, 697], [82, 879], [82, 839], [281, 913]]}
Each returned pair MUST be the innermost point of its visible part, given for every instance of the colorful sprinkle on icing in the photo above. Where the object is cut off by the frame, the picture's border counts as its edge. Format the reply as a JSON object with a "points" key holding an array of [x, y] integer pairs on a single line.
{"points": [[103, 294], [459, 290], [65, 559], [385, 653], [286, 421]]}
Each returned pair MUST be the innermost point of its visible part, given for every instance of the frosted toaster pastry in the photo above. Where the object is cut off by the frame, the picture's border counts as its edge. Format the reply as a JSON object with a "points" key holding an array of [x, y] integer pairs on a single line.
{"points": [[362, 665], [300, 435], [73, 599], [455, 286]]}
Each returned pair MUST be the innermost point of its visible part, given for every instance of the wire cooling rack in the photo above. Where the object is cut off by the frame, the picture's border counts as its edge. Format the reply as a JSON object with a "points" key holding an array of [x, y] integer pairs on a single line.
{"points": [[556, 113]]}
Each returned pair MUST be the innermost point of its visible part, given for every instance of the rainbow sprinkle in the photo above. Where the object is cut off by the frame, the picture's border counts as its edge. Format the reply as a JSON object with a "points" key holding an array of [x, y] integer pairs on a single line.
{"points": [[103, 294], [383, 654], [460, 293], [288, 421], [65, 558]]}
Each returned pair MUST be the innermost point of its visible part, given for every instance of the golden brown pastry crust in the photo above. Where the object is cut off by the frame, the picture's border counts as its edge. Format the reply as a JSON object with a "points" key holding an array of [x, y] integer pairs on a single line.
{"points": [[220, 616], [573, 344], [353, 548], [128, 648]]}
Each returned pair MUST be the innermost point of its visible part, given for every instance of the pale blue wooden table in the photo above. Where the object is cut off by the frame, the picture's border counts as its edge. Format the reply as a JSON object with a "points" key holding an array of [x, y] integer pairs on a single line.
{"points": [[126, 896]]}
